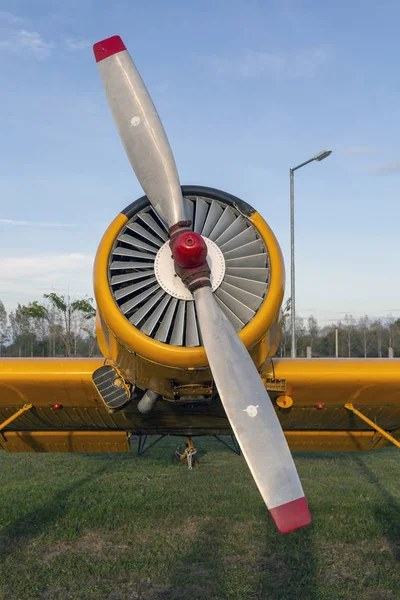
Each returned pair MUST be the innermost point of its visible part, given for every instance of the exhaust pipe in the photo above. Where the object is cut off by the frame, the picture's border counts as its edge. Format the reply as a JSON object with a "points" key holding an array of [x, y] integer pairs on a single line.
{"points": [[147, 402]]}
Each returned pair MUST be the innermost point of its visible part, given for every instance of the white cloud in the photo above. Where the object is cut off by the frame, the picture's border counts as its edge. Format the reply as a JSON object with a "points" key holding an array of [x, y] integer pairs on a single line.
{"points": [[76, 44], [303, 64], [32, 223], [27, 41], [9, 18], [43, 266], [385, 168], [25, 278]]}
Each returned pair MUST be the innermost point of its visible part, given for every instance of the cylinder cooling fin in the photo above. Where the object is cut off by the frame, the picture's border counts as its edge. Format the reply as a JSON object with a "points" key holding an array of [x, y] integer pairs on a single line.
{"points": [[134, 273]]}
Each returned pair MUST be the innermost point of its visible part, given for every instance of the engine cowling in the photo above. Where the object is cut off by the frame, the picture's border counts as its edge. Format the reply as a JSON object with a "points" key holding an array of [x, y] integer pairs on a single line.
{"points": [[146, 321]]}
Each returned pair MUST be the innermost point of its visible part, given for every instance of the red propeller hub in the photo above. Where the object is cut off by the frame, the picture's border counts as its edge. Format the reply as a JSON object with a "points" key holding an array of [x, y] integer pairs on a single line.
{"points": [[189, 250]]}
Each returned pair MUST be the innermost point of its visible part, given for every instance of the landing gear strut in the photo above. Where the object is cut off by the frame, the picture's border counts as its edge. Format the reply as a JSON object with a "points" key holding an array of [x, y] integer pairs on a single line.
{"points": [[188, 454]]}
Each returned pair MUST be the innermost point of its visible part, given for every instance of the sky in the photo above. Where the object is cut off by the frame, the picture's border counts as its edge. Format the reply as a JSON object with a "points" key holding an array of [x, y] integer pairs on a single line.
{"points": [[245, 91]]}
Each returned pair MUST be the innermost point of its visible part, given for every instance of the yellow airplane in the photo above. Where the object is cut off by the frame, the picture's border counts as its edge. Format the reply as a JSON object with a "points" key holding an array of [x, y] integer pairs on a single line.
{"points": [[189, 283]]}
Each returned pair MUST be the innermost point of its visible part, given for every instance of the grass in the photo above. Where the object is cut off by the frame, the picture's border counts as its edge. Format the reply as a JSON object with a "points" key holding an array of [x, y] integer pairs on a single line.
{"points": [[118, 527]]}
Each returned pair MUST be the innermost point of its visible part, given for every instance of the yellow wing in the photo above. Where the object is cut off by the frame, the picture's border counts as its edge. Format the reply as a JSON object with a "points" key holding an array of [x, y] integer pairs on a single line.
{"points": [[325, 394], [323, 404], [62, 411]]}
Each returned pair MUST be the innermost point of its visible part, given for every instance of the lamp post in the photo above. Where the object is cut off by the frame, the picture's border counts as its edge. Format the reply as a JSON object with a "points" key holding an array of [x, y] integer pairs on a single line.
{"points": [[320, 156]]}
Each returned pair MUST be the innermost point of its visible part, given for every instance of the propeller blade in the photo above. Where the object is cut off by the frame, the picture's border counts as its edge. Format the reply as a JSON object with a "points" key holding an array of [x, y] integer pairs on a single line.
{"points": [[252, 416], [140, 129]]}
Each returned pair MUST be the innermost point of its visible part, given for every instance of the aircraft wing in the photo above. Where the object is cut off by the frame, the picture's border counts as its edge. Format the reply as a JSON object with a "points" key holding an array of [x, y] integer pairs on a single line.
{"points": [[49, 404], [321, 392]]}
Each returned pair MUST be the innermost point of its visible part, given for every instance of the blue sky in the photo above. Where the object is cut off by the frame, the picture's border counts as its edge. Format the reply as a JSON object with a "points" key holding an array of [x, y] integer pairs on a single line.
{"points": [[245, 90]]}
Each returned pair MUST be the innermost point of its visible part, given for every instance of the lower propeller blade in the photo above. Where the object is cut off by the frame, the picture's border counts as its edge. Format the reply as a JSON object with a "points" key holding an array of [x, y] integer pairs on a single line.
{"points": [[140, 129], [252, 416]]}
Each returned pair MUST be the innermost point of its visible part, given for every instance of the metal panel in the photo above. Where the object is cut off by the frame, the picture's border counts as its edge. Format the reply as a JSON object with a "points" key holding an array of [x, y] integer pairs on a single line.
{"points": [[242, 311], [146, 308], [256, 274], [125, 277], [254, 287], [118, 265], [257, 260], [152, 321], [136, 243], [66, 441], [238, 226], [200, 215], [165, 326], [192, 336], [150, 221], [249, 300], [138, 229], [236, 322], [227, 218], [130, 289], [177, 331], [246, 236], [213, 216], [255, 247], [120, 251], [127, 306]]}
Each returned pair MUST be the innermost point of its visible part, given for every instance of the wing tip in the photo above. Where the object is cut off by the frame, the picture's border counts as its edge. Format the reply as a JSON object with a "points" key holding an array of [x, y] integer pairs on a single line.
{"points": [[108, 47], [291, 515]]}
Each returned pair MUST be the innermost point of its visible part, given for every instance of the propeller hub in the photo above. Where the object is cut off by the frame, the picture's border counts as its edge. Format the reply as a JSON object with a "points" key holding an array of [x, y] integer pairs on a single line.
{"points": [[189, 249]]}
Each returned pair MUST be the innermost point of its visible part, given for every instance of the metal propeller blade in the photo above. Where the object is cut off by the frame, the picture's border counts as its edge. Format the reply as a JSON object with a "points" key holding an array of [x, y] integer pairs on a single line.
{"points": [[252, 416], [140, 129], [240, 387]]}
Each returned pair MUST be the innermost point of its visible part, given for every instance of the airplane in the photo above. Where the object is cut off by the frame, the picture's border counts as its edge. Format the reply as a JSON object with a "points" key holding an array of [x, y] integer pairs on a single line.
{"points": [[189, 284]]}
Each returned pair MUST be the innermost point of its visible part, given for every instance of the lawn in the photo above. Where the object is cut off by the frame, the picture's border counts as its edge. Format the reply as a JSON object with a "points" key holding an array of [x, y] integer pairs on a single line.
{"points": [[118, 527]]}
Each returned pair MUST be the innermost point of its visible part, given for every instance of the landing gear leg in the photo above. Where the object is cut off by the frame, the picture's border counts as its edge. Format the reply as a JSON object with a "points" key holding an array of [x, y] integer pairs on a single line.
{"points": [[188, 454]]}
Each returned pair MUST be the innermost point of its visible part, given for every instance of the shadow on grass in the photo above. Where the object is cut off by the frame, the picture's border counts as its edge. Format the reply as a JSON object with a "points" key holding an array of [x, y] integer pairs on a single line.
{"points": [[36, 522], [387, 514], [289, 566], [200, 573]]}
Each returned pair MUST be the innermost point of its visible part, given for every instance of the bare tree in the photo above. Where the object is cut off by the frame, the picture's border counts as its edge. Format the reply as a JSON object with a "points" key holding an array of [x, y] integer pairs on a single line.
{"points": [[4, 328], [67, 312], [349, 327]]}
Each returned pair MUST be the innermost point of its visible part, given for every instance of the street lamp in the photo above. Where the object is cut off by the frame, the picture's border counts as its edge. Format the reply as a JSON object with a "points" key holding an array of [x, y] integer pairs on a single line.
{"points": [[320, 156]]}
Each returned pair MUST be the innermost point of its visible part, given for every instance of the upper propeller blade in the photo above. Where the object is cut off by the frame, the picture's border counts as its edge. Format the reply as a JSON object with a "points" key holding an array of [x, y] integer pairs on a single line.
{"points": [[140, 129], [252, 416]]}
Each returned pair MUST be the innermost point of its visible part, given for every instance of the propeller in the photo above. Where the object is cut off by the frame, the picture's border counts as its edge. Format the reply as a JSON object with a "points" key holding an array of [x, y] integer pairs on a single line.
{"points": [[243, 395]]}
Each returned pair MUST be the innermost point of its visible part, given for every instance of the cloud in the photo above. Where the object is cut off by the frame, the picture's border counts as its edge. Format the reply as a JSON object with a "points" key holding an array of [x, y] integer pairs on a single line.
{"points": [[24, 278], [385, 168], [23, 41], [33, 223], [10, 18], [76, 44], [360, 150], [44, 266], [254, 64]]}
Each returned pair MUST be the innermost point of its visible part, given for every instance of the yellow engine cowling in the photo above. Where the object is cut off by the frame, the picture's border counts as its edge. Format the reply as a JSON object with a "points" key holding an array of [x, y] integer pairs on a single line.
{"points": [[170, 370]]}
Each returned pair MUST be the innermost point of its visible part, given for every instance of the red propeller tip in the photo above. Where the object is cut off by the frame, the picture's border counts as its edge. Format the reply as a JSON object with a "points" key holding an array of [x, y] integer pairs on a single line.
{"points": [[291, 516], [108, 47]]}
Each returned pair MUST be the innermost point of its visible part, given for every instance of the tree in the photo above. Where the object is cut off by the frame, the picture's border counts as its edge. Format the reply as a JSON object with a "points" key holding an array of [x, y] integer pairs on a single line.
{"points": [[285, 325], [4, 328], [67, 312], [24, 337], [349, 327], [313, 329], [38, 314]]}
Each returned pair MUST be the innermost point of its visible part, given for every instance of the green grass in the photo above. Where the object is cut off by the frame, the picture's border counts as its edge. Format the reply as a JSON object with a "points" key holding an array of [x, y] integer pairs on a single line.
{"points": [[118, 527]]}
